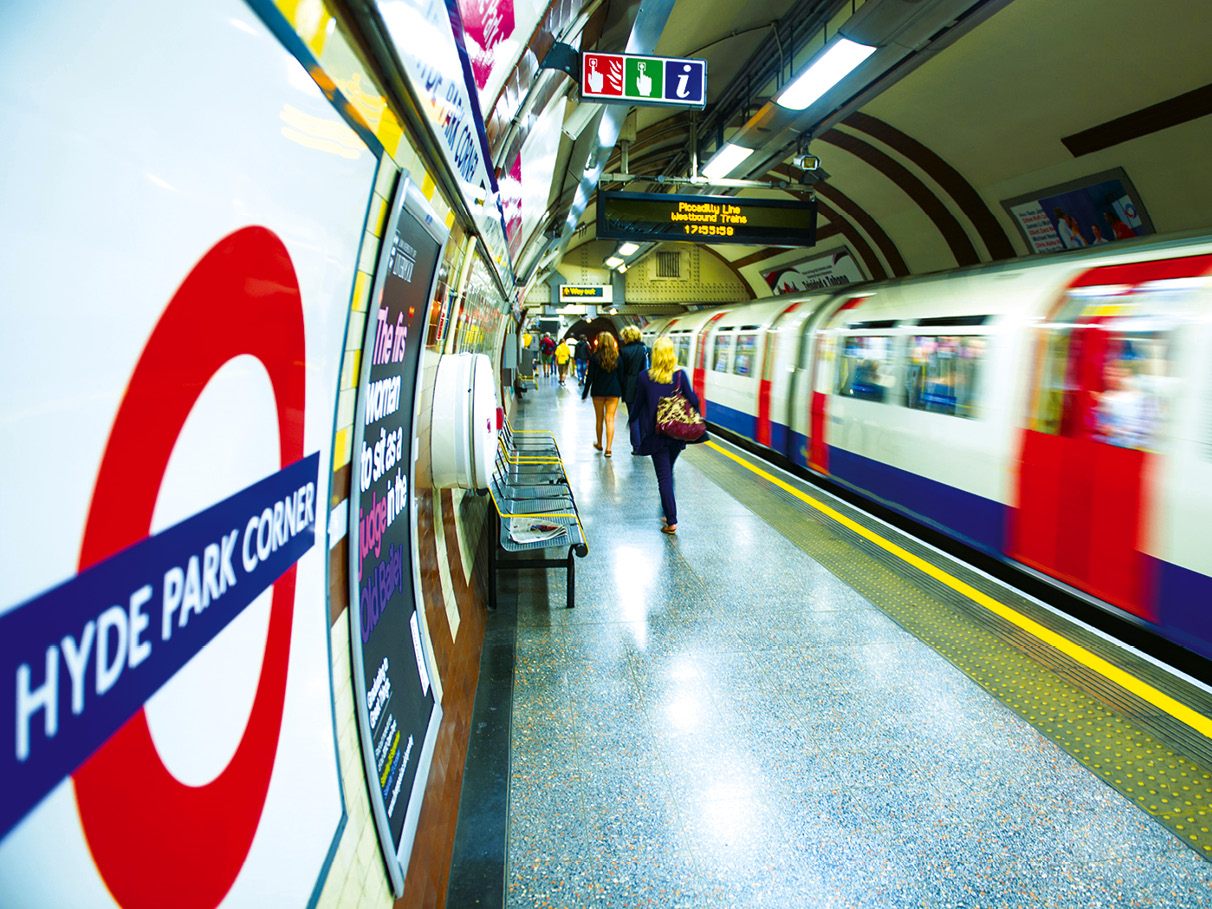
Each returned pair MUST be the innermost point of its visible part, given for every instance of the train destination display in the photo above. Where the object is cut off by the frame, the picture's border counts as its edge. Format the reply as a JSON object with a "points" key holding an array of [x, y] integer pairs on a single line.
{"points": [[397, 714], [706, 219]]}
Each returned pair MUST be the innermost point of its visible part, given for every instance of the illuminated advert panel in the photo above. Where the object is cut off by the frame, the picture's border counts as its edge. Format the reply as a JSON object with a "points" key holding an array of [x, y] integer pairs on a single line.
{"points": [[398, 716], [647, 217]]}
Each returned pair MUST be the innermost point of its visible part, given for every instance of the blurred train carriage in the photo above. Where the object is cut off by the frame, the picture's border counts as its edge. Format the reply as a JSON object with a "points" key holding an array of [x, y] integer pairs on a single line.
{"points": [[1056, 413]]}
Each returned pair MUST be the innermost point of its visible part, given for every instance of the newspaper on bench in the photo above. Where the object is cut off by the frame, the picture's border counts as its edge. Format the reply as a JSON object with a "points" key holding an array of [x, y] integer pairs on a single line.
{"points": [[533, 530]]}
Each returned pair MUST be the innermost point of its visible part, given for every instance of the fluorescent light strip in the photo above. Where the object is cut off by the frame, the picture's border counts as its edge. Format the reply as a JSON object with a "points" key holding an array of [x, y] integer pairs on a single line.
{"points": [[829, 69], [725, 161], [614, 261], [628, 248]]}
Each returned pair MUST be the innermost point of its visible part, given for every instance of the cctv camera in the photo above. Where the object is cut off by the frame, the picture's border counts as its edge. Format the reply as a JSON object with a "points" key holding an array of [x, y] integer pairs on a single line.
{"points": [[806, 162]]}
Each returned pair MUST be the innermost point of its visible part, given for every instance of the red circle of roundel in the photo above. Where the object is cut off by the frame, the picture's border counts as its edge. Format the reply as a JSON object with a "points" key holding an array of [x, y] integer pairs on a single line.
{"points": [[151, 835]]}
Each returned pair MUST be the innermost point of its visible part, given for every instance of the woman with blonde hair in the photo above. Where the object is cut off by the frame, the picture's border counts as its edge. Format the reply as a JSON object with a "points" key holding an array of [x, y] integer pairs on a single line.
{"points": [[662, 380], [604, 382]]}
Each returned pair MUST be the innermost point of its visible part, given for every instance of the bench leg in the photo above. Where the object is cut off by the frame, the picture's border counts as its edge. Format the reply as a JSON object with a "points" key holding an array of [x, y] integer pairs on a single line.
{"points": [[572, 580]]}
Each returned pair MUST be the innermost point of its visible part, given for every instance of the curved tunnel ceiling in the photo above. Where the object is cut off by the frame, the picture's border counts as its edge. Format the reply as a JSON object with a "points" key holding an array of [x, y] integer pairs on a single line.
{"points": [[1032, 94]]}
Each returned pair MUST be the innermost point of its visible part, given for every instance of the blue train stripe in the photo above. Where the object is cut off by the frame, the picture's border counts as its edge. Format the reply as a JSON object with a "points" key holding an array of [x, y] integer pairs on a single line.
{"points": [[973, 519]]}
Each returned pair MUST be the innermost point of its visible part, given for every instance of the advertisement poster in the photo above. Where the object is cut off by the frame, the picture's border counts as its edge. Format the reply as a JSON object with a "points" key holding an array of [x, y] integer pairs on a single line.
{"points": [[167, 392], [422, 33], [1102, 208], [832, 269], [525, 186], [495, 33], [397, 713]]}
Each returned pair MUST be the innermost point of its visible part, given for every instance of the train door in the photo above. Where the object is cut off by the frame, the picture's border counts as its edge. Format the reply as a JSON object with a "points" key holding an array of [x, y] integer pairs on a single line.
{"points": [[763, 432], [700, 358], [1093, 439], [822, 386]]}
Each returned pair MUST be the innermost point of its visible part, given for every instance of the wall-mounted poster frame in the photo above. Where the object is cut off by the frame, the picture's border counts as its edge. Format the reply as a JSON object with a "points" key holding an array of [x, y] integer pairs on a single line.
{"points": [[398, 714], [1090, 211], [833, 268]]}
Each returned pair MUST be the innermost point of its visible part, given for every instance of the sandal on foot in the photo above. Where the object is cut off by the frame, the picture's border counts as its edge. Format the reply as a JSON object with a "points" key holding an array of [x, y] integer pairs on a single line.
{"points": [[668, 529], [607, 452], [597, 446]]}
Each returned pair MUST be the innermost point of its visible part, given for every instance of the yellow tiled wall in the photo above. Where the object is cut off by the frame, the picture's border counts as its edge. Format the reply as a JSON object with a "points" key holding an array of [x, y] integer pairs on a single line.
{"points": [[452, 588]]}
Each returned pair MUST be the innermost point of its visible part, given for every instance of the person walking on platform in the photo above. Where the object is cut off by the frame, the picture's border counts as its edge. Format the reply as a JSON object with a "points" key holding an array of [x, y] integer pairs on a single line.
{"points": [[662, 380], [604, 382], [633, 360], [583, 353], [562, 356], [547, 350]]}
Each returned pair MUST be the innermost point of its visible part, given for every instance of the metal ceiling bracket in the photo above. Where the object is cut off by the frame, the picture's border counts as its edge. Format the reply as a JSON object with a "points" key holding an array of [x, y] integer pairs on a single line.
{"points": [[565, 58]]}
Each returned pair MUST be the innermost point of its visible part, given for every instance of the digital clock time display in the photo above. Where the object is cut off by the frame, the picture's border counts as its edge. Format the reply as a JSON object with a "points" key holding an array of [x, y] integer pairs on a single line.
{"points": [[706, 219]]}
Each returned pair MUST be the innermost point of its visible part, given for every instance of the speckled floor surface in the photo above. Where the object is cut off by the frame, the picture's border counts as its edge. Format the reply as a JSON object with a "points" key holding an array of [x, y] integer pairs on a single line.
{"points": [[721, 722]]}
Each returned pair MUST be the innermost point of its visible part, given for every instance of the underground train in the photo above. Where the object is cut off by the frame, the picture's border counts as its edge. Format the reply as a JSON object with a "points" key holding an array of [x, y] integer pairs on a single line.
{"points": [[1055, 413]]}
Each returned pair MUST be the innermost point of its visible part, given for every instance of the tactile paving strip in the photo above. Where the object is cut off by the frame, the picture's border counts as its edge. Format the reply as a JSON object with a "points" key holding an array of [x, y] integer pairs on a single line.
{"points": [[1148, 756]]}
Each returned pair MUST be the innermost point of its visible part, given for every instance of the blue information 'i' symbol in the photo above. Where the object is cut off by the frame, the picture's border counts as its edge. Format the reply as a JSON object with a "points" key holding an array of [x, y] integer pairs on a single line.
{"points": [[684, 81]]}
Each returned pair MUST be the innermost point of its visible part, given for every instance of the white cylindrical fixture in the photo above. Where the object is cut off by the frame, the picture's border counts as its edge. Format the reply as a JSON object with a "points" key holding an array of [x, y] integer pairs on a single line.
{"points": [[464, 435]]}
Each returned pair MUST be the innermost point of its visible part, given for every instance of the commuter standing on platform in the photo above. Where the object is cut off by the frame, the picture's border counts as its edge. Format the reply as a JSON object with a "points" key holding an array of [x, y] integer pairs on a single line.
{"points": [[662, 380], [633, 360], [547, 350], [562, 356], [583, 353], [604, 382]]}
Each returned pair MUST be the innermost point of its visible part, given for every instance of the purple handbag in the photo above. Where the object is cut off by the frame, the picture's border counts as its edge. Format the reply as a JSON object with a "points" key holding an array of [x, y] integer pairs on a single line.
{"points": [[677, 419]]}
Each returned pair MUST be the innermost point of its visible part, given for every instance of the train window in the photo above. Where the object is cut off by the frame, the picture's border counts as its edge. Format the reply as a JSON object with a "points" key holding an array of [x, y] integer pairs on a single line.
{"points": [[1105, 369], [722, 352], [742, 362], [951, 321], [681, 346], [942, 372], [1128, 411], [864, 367]]}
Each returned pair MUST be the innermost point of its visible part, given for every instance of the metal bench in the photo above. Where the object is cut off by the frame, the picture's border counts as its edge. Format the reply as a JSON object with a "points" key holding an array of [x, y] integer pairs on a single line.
{"points": [[532, 498]]}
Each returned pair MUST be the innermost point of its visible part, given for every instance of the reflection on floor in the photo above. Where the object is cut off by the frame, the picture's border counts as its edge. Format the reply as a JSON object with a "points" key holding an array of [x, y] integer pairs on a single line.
{"points": [[722, 722]]}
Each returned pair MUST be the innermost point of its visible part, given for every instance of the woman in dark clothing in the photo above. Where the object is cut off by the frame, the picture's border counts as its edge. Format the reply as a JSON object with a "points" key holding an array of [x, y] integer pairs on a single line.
{"points": [[604, 382], [582, 357], [660, 381], [633, 360]]}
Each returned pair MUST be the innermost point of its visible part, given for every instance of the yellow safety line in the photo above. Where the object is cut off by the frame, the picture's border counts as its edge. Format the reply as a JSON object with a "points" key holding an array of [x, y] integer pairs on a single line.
{"points": [[1146, 692]]}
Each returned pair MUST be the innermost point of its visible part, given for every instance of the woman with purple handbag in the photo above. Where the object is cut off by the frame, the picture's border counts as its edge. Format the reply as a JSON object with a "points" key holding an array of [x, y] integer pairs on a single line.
{"points": [[664, 418]]}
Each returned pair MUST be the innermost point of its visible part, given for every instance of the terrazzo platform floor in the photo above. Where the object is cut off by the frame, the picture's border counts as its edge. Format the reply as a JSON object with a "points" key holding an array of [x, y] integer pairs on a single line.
{"points": [[720, 722]]}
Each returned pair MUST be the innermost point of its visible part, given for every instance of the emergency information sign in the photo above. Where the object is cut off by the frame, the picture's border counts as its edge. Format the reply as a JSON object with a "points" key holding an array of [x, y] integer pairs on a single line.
{"points": [[631, 79]]}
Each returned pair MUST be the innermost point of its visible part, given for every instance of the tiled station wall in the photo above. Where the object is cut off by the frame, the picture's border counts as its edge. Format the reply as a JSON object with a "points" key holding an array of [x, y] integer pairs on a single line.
{"points": [[466, 315]]}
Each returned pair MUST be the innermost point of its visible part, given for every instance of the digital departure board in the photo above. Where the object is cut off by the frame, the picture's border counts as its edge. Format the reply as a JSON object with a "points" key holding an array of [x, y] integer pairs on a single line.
{"points": [[706, 219]]}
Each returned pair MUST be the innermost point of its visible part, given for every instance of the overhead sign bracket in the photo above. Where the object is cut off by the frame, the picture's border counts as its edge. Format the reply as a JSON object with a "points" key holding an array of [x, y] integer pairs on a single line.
{"points": [[565, 58]]}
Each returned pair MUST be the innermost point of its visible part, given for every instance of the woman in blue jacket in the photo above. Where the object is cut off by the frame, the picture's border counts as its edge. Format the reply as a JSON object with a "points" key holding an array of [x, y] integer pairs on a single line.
{"points": [[661, 380]]}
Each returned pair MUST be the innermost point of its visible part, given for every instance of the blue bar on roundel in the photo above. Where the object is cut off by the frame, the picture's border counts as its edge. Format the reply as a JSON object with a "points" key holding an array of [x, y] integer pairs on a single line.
{"points": [[80, 660]]}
